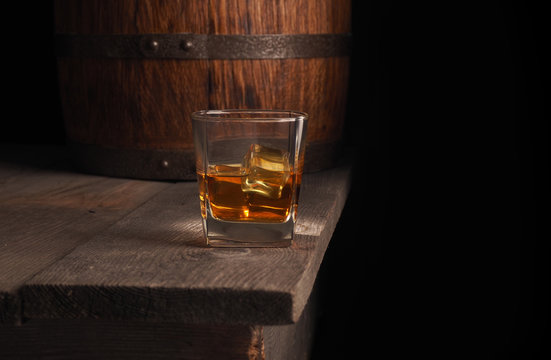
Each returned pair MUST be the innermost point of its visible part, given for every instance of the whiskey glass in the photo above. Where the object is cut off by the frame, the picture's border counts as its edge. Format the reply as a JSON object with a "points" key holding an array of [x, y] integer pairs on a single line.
{"points": [[249, 167]]}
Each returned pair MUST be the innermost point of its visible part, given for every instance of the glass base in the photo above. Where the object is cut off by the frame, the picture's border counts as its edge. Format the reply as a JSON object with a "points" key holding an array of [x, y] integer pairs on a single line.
{"points": [[221, 233]]}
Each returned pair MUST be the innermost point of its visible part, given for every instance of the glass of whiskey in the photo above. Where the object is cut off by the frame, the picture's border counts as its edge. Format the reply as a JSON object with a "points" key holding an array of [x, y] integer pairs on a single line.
{"points": [[249, 169]]}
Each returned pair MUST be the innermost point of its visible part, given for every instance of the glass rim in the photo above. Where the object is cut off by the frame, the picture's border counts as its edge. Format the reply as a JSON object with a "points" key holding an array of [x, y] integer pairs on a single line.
{"points": [[268, 115]]}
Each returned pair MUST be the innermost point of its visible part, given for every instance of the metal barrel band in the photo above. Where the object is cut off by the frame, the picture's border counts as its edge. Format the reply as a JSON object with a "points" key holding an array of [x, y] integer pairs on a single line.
{"points": [[203, 46], [172, 164]]}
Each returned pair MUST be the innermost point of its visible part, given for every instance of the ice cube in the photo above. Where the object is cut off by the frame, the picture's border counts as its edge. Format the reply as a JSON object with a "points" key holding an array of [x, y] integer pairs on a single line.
{"points": [[267, 171], [226, 170]]}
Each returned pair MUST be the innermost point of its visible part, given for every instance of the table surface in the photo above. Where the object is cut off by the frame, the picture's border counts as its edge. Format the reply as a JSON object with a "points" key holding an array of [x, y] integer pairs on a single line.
{"points": [[76, 245]]}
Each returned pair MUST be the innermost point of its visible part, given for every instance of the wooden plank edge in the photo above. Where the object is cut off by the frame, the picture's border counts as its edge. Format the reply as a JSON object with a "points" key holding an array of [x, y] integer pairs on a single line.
{"points": [[108, 339], [100, 338], [307, 280], [157, 304], [10, 308], [293, 341]]}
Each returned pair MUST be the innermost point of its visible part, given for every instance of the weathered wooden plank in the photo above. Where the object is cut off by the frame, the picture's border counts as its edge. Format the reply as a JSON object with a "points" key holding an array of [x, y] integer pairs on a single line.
{"points": [[292, 341], [45, 213], [119, 339], [110, 339], [152, 265]]}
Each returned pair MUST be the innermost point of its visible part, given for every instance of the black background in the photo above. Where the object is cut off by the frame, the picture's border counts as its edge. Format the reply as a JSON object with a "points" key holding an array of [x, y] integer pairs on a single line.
{"points": [[443, 247]]}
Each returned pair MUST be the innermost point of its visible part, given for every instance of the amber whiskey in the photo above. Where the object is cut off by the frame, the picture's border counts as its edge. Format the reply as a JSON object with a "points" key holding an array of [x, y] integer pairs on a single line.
{"points": [[235, 193]]}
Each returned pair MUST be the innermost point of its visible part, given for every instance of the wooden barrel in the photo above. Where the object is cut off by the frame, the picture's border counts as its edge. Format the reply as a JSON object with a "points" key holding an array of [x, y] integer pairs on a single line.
{"points": [[131, 73]]}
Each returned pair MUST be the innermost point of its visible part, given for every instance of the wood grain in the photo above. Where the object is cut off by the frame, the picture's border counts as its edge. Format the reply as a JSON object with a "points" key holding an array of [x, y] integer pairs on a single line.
{"points": [[296, 84], [46, 213], [112, 339], [114, 268], [152, 265], [316, 86], [292, 341], [146, 104], [279, 17], [131, 103], [108, 339], [130, 16]]}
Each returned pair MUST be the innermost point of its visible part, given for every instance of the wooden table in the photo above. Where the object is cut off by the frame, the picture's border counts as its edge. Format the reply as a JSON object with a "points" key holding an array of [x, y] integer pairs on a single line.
{"points": [[101, 267]]}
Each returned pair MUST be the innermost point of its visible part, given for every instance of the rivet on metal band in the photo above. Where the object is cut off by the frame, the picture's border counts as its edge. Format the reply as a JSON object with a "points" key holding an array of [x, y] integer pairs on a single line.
{"points": [[203, 46]]}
